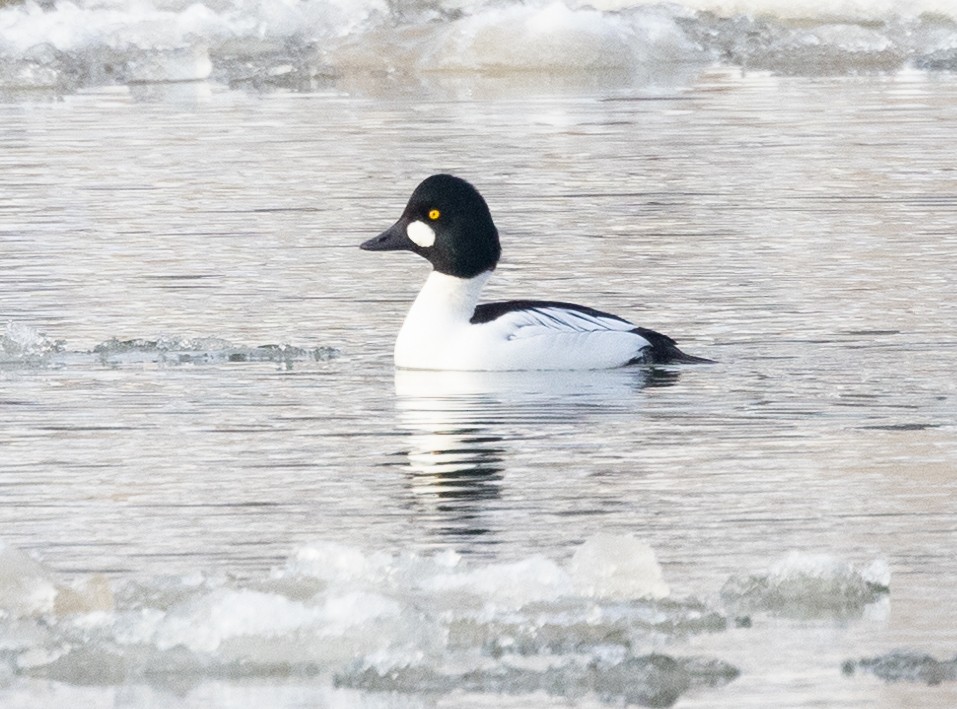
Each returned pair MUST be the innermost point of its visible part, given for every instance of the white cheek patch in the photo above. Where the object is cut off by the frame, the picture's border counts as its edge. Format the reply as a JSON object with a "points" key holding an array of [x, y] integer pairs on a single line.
{"points": [[421, 233]]}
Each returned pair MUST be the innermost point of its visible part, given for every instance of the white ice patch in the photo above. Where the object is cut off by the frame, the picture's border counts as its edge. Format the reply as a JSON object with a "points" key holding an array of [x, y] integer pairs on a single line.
{"points": [[370, 618], [203, 625], [810, 585], [611, 566], [421, 234], [22, 345], [510, 585], [28, 589], [22, 342], [103, 42], [554, 37]]}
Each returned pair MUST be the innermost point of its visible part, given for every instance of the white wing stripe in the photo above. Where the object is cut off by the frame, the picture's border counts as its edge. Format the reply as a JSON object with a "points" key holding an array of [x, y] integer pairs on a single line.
{"points": [[560, 320]]}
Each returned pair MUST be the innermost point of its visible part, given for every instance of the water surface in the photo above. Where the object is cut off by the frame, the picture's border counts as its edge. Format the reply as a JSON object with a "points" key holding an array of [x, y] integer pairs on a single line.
{"points": [[157, 241]]}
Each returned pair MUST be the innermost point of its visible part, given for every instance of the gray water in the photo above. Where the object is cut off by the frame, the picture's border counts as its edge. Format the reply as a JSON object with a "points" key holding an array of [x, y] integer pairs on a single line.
{"points": [[800, 231]]}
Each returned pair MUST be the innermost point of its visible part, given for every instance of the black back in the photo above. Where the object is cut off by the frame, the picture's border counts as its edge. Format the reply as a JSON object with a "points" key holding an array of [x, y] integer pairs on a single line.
{"points": [[487, 312]]}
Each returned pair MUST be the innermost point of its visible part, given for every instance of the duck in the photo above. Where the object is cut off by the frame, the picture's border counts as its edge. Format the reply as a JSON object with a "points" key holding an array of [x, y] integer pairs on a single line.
{"points": [[448, 222]]}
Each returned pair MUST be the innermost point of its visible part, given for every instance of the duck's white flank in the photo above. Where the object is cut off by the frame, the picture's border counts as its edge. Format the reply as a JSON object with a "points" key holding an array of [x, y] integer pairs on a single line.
{"points": [[437, 334]]}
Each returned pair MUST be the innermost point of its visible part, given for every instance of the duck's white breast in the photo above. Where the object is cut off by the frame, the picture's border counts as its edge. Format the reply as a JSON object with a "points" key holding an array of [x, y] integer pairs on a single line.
{"points": [[434, 330]]}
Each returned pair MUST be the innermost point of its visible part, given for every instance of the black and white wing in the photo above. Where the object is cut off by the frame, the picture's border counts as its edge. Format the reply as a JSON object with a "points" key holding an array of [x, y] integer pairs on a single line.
{"points": [[578, 333], [549, 314]]}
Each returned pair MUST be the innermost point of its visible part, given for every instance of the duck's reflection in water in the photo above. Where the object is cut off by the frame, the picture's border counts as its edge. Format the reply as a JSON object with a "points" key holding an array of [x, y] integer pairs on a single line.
{"points": [[461, 426]]}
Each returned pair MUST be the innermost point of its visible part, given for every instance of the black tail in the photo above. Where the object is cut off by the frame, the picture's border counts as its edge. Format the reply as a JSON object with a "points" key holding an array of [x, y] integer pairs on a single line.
{"points": [[664, 350]]}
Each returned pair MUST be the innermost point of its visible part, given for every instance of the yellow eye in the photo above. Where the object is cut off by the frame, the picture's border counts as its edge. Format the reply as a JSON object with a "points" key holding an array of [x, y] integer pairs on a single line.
{"points": [[434, 214]]}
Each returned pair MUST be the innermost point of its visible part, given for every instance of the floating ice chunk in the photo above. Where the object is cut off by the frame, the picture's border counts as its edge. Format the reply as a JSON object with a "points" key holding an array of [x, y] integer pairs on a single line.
{"points": [[202, 350], [512, 584], [605, 566], [339, 563], [84, 596], [611, 566], [795, 9], [829, 571], [22, 342], [290, 42], [390, 620], [877, 574], [39, 656], [849, 38], [809, 585], [269, 633], [26, 587], [904, 666], [554, 37], [205, 623], [23, 345], [647, 680], [178, 64], [202, 624]]}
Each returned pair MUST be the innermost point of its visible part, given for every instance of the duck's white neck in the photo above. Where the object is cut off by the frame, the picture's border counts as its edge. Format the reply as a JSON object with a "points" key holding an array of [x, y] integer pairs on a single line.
{"points": [[447, 297], [438, 319]]}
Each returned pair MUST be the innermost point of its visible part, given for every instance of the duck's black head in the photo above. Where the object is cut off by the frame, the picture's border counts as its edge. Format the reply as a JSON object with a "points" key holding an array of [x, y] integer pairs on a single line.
{"points": [[448, 222]]}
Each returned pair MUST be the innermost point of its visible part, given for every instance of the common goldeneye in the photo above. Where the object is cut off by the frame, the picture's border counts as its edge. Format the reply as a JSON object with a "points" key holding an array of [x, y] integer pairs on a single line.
{"points": [[448, 222]]}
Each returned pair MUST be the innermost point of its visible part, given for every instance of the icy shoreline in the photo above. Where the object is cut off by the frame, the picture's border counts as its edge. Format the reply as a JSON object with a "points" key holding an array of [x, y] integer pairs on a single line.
{"points": [[68, 45]]}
